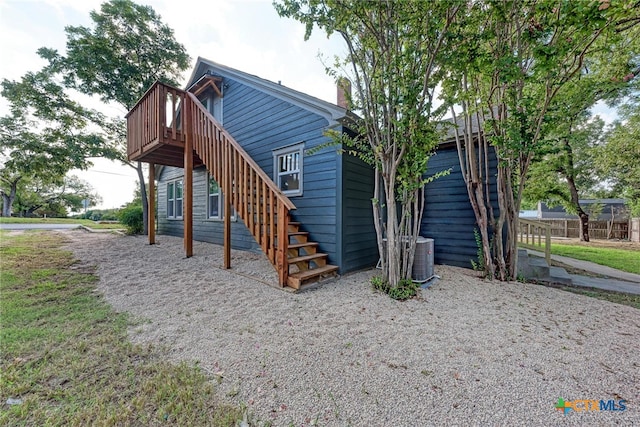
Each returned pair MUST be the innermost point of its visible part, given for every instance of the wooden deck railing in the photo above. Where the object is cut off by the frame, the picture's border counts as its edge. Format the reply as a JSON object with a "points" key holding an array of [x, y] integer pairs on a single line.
{"points": [[531, 234], [155, 119], [254, 196]]}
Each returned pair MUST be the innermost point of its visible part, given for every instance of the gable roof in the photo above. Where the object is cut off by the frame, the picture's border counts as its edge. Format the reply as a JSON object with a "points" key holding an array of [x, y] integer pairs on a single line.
{"points": [[333, 113]]}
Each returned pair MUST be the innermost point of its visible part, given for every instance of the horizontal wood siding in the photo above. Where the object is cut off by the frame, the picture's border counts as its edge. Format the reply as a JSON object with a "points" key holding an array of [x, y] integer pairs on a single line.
{"points": [[448, 217], [262, 123], [360, 249], [204, 230]]}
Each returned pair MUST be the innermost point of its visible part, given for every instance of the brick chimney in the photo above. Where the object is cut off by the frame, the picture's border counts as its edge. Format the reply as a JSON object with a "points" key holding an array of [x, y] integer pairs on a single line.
{"points": [[344, 92]]}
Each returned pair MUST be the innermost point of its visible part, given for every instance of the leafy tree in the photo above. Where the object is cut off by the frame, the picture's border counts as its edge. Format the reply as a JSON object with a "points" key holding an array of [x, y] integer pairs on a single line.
{"points": [[565, 170], [395, 55], [126, 50], [45, 135], [619, 158], [55, 198], [514, 59]]}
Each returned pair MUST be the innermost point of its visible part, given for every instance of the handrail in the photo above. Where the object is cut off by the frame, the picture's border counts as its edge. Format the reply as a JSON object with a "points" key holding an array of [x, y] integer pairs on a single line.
{"points": [[529, 228], [255, 197], [148, 122]]}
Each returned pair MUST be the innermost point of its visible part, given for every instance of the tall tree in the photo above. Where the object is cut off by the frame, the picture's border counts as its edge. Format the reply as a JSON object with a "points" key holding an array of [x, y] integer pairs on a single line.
{"points": [[565, 169], [515, 57], [45, 135], [568, 151], [618, 159], [126, 50], [54, 198], [395, 53]]}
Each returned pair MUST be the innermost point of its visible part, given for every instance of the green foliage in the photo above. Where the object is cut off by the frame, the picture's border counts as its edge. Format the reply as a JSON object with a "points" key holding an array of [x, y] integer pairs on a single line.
{"points": [[512, 68], [131, 217], [45, 135], [619, 158], [395, 61], [55, 198], [100, 215], [122, 55], [620, 259], [479, 264], [405, 289], [118, 58]]}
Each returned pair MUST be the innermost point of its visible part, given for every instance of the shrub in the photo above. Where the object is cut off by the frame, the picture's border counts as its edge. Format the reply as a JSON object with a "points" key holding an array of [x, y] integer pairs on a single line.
{"points": [[406, 288], [131, 217]]}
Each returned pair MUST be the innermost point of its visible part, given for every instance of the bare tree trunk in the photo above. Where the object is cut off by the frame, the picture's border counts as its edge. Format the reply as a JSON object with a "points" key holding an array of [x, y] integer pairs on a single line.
{"points": [[8, 199], [7, 204], [610, 223], [584, 218], [143, 196], [472, 167], [377, 220]]}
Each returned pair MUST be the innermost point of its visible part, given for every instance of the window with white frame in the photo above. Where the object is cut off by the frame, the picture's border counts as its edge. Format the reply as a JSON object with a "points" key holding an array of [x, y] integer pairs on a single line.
{"points": [[288, 169], [215, 201], [174, 199], [214, 210]]}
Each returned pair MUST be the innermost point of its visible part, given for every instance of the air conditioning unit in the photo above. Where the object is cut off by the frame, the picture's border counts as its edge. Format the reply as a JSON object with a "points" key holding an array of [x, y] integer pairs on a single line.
{"points": [[423, 260]]}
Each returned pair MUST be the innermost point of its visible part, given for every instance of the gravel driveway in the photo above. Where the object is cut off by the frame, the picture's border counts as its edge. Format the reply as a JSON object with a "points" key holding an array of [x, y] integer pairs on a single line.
{"points": [[468, 352]]}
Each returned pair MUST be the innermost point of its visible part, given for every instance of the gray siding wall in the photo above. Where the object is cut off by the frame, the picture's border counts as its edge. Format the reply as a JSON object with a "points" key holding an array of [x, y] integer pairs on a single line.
{"points": [[262, 123], [360, 249], [448, 216], [204, 229]]}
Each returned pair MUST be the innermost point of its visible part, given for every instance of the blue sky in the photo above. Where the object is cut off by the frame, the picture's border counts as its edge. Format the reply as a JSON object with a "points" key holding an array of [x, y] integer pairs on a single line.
{"points": [[244, 34]]}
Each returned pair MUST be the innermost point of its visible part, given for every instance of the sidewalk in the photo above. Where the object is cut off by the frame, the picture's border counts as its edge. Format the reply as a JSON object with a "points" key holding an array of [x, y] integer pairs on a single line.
{"points": [[616, 280]]}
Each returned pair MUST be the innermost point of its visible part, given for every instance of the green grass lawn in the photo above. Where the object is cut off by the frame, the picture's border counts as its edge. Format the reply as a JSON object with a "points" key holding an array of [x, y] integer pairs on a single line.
{"points": [[85, 222], [621, 259], [64, 353]]}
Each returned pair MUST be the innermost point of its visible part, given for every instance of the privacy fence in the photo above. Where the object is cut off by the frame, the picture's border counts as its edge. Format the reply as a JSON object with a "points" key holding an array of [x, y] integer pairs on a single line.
{"points": [[597, 229]]}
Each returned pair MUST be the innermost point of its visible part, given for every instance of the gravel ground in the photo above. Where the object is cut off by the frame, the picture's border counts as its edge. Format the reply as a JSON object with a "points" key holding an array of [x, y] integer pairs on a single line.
{"points": [[467, 352]]}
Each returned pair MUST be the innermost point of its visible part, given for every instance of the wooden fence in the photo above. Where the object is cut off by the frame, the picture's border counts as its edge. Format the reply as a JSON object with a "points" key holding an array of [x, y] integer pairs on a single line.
{"points": [[635, 230], [597, 229]]}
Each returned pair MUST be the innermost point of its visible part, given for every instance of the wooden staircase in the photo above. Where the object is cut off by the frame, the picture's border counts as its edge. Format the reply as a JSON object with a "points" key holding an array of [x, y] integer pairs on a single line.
{"points": [[167, 117], [306, 264]]}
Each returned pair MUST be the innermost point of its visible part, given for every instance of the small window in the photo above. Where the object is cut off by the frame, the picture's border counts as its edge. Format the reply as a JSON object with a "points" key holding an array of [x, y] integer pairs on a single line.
{"points": [[215, 202], [174, 199], [288, 169]]}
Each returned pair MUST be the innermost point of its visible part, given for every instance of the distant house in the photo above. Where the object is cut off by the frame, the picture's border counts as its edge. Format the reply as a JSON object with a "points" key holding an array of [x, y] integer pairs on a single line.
{"points": [[307, 207], [597, 209]]}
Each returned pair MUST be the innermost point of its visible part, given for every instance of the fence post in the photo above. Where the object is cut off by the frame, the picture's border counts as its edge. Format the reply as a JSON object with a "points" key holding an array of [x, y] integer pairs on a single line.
{"points": [[547, 244]]}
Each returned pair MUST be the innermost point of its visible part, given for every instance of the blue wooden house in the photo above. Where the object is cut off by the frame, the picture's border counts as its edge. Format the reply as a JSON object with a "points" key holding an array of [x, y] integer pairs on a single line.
{"points": [[243, 162]]}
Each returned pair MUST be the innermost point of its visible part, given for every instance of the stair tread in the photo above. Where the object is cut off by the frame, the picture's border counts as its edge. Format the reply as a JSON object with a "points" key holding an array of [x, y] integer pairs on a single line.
{"points": [[298, 233], [302, 275], [301, 245], [306, 258]]}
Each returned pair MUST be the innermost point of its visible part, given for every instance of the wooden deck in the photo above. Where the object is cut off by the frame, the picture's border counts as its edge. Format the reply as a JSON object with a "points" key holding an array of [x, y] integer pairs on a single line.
{"points": [[166, 124]]}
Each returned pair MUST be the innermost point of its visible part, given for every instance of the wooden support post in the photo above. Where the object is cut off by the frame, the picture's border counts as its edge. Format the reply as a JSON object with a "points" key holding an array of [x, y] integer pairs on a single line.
{"points": [[188, 181], [547, 245], [151, 215], [283, 244], [227, 168]]}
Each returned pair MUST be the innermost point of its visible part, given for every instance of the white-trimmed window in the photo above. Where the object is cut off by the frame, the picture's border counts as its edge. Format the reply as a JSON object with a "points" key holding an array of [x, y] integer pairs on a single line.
{"points": [[214, 205], [175, 194], [288, 169], [215, 201]]}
